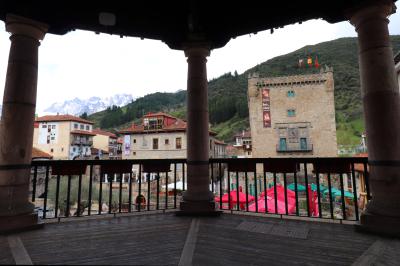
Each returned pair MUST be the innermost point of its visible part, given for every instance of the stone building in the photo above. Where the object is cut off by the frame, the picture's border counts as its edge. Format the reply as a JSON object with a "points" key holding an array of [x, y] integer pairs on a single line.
{"points": [[293, 116], [63, 136]]}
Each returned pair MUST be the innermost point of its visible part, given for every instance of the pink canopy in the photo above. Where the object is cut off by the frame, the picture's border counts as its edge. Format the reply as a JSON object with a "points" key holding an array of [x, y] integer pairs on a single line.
{"points": [[280, 191], [271, 206], [234, 199]]}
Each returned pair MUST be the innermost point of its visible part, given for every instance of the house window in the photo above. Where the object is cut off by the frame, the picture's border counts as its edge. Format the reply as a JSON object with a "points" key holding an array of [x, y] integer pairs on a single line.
{"points": [[166, 141], [87, 128], [75, 126], [44, 126], [51, 150], [282, 144], [134, 140], [82, 127], [303, 144], [155, 144], [53, 126], [62, 149], [178, 143], [73, 149], [291, 112], [290, 94], [134, 153]]}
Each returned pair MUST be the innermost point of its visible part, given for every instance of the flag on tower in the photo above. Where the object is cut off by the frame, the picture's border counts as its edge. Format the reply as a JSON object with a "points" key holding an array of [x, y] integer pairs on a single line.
{"points": [[309, 61], [316, 62]]}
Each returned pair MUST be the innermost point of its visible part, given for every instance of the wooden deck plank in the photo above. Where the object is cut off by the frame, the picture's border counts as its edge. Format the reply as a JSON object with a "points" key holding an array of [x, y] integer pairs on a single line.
{"points": [[159, 239], [327, 244], [5, 252], [128, 240]]}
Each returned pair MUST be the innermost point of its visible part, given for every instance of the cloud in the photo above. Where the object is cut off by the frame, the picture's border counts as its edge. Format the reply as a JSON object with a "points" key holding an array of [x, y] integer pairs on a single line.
{"points": [[83, 64]]}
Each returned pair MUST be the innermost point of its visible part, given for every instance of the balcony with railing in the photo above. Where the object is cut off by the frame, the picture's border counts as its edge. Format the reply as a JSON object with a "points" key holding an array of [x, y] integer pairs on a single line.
{"points": [[302, 193], [294, 147], [80, 141]]}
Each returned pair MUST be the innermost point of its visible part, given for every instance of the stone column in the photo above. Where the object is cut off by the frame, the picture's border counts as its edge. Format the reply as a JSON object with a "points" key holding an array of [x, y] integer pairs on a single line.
{"points": [[197, 198], [380, 94], [16, 128]]}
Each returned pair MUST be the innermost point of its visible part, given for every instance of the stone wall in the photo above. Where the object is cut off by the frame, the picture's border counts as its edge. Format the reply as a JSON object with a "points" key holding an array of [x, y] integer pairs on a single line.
{"points": [[312, 100]]}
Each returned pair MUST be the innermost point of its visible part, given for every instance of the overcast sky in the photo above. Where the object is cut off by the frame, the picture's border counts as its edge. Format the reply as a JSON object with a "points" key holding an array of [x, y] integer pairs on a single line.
{"points": [[82, 64]]}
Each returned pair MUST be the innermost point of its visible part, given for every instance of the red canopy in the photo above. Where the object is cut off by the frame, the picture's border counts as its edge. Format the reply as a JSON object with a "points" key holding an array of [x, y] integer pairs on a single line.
{"points": [[234, 198], [271, 206], [280, 191]]}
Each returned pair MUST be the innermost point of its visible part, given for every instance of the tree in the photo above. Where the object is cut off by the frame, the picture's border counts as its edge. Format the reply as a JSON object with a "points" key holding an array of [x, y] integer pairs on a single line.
{"points": [[84, 115]]}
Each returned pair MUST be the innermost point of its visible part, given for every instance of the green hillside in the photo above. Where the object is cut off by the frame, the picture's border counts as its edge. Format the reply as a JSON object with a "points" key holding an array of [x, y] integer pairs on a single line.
{"points": [[228, 98]]}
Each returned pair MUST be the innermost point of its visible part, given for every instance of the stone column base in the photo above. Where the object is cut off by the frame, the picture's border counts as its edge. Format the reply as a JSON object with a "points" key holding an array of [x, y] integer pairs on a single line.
{"points": [[18, 223], [198, 208], [379, 224]]}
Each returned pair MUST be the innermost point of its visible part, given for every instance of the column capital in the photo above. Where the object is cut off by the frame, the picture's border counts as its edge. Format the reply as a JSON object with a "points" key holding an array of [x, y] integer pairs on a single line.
{"points": [[197, 49], [372, 10], [24, 26]]}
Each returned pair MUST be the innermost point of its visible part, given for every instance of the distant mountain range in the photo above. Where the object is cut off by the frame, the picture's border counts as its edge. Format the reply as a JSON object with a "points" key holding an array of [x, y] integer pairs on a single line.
{"points": [[92, 105]]}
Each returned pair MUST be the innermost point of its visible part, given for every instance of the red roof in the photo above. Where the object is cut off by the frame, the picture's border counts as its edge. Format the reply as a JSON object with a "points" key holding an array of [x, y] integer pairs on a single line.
{"points": [[179, 125], [98, 131], [57, 118], [220, 142], [359, 167], [36, 153], [246, 134], [158, 114], [81, 132]]}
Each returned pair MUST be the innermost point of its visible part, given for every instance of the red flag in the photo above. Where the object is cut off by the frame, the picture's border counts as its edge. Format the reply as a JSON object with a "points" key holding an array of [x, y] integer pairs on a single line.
{"points": [[316, 62]]}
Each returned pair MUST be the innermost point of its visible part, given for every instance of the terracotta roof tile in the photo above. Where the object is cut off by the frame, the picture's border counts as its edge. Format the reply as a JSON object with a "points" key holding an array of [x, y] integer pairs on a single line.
{"points": [[246, 134], [158, 114], [81, 132], [36, 153], [179, 125], [98, 131], [57, 118], [220, 142]]}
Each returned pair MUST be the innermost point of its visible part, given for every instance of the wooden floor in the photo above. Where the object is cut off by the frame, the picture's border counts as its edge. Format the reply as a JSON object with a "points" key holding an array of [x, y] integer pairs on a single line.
{"points": [[165, 239]]}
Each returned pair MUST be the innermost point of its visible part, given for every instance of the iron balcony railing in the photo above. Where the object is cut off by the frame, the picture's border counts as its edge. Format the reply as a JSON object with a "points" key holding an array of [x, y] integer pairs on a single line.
{"points": [[294, 147], [332, 188], [75, 141]]}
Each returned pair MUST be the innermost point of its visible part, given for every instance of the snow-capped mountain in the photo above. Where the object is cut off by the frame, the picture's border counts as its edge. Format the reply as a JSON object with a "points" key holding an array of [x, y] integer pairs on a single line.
{"points": [[92, 105]]}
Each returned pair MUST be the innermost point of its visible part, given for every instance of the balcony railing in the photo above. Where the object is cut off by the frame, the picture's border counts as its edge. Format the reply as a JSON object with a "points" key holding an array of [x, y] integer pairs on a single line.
{"points": [[81, 142], [294, 147], [331, 188]]}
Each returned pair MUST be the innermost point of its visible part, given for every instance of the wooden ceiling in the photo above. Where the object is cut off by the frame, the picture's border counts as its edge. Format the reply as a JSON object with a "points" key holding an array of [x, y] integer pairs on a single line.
{"points": [[180, 21]]}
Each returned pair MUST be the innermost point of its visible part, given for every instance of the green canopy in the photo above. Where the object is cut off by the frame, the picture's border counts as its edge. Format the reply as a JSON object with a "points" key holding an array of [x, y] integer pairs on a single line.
{"points": [[337, 193], [299, 187], [321, 188]]}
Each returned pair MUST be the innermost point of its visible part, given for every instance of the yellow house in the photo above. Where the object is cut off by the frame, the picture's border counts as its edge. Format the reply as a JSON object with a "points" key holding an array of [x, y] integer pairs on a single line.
{"points": [[64, 136], [106, 141]]}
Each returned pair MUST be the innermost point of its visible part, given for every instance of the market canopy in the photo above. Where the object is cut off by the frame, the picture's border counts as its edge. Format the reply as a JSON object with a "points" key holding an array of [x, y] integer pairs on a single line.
{"points": [[338, 193]]}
